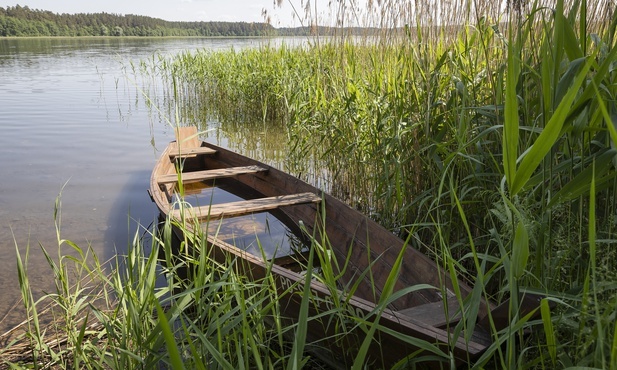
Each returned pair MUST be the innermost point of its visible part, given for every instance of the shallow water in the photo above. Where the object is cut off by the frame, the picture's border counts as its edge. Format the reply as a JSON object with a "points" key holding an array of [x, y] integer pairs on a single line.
{"points": [[73, 121], [260, 233]]}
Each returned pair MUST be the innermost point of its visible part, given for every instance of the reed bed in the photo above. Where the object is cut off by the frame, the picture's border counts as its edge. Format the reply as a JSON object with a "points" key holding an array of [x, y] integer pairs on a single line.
{"points": [[487, 128]]}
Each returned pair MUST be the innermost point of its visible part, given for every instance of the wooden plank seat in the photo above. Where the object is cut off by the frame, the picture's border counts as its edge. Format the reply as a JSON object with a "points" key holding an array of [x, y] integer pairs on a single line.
{"points": [[189, 152], [434, 314], [189, 177], [244, 207]]}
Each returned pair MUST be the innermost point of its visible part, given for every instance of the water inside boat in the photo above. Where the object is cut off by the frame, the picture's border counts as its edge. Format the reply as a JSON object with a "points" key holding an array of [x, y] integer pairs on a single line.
{"points": [[262, 234]]}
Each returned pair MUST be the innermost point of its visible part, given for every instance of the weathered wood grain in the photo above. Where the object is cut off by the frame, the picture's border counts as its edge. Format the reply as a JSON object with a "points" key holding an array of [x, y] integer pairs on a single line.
{"points": [[187, 152], [196, 176], [244, 207]]}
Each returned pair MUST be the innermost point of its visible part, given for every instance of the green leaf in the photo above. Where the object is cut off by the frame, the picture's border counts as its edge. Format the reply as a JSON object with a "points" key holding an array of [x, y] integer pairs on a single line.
{"points": [[600, 73], [551, 341], [520, 250], [592, 221], [381, 306], [296, 357], [573, 49], [581, 183], [566, 80], [170, 340], [511, 124], [611, 119], [549, 135]]}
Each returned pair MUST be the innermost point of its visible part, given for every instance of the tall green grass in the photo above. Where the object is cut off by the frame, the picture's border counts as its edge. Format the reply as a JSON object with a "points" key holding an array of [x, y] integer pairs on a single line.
{"points": [[159, 305], [169, 303], [488, 135]]}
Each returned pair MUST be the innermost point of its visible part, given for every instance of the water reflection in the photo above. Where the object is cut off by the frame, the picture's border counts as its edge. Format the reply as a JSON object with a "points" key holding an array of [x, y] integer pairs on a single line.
{"points": [[265, 141], [72, 122], [266, 234]]}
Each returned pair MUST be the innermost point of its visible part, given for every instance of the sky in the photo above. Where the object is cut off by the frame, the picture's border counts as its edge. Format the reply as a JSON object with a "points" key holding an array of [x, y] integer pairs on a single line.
{"points": [[176, 10]]}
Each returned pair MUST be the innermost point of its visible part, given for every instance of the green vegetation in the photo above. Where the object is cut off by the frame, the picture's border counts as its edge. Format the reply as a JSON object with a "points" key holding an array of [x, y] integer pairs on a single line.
{"points": [[492, 142], [23, 21], [146, 314], [171, 303], [495, 140]]}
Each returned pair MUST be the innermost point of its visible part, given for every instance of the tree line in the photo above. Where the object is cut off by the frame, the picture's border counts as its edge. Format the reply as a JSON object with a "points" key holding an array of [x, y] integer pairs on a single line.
{"points": [[23, 21]]}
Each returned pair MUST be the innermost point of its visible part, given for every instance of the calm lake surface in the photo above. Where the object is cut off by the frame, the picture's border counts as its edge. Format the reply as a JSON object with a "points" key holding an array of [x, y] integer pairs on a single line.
{"points": [[73, 121]]}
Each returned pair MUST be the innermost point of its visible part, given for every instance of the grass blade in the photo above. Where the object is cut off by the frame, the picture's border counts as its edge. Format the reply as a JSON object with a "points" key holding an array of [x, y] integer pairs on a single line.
{"points": [[550, 134], [520, 251], [296, 360], [549, 332], [170, 340], [511, 124]]}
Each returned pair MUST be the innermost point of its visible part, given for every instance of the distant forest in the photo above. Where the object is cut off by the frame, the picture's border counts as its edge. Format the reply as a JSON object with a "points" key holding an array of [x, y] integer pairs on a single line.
{"points": [[23, 21]]}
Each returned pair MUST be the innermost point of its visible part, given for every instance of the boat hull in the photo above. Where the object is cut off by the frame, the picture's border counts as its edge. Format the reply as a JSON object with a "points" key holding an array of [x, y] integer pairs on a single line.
{"points": [[369, 252]]}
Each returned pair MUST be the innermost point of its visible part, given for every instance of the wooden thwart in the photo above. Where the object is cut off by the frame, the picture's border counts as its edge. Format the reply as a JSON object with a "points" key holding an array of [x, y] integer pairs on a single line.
{"points": [[189, 177], [186, 152], [244, 207]]}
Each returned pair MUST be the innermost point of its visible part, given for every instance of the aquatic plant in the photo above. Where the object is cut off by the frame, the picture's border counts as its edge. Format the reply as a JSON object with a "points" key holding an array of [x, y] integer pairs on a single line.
{"points": [[488, 137]]}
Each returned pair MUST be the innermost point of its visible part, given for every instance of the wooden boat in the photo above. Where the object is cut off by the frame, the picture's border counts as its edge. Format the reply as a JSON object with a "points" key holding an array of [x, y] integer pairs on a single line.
{"points": [[368, 251]]}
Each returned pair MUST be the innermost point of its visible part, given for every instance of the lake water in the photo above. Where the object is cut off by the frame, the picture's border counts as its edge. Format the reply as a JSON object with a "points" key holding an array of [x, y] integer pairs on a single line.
{"points": [[73, 121]]}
